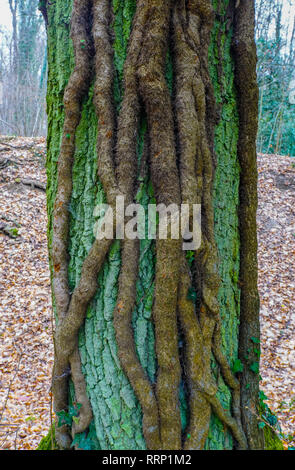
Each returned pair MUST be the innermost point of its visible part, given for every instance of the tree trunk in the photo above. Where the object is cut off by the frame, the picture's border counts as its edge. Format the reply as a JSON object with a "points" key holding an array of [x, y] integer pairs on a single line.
{"points": [[156, 101]]}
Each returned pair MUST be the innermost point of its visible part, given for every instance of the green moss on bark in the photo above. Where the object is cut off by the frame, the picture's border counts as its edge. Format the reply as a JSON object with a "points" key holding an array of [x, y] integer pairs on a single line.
{"points": [[272, 440]]}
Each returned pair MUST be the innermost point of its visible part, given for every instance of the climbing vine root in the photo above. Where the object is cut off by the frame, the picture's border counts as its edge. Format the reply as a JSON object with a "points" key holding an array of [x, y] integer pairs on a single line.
{"points": [[181, 161]]}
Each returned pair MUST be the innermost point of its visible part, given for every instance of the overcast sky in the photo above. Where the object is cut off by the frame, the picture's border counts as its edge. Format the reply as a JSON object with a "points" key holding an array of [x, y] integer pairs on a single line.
{"points": [[5, 16]]}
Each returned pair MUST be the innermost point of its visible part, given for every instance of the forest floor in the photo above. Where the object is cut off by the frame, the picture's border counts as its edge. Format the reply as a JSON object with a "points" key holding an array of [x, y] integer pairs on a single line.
{"points": [[26, 350]]}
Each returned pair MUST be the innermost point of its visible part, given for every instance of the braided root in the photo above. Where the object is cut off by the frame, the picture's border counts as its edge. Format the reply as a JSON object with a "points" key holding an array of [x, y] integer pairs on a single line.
{"points": [[182, 165], [196, 117], [75, 91]]}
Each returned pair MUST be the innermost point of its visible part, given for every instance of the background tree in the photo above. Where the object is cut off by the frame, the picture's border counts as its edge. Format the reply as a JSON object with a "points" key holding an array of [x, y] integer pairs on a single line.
{"points": [[275, 36], [22, 72], [156, 101]]}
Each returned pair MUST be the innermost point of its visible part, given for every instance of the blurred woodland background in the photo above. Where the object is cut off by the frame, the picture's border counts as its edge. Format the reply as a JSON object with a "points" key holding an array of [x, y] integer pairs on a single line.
{"points": [[275, 38], [23, 73]]}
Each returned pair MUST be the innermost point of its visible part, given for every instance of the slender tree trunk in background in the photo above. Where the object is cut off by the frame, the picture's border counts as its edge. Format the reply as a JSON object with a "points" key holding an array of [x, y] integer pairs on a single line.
{"points": [[155, 100], [13, 5]]}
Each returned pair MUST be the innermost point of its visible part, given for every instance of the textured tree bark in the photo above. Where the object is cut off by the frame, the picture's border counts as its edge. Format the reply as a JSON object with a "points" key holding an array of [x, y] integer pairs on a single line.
{"points": [[155, 100]]}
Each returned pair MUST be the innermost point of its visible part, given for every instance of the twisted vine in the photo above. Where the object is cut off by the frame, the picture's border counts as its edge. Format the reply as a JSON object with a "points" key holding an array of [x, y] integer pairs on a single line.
{"points": [[192, 30], [245, 57], [182, 164], [75, 91]]}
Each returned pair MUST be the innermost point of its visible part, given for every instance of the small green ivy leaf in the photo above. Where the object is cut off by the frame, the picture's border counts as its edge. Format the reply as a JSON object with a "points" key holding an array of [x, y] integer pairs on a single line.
{"points": [[261, 425], [257, 352], [192, 295], [238, 366], [82, 442], [73, 411], [255, 340], [76, 419], [64, 418], [262, 395], [272, 419], [68, 136], [190, 256], [255, 367]]}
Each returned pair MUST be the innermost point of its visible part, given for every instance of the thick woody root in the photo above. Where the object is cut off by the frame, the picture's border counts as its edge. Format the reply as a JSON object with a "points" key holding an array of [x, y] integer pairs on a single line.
{"points": [[186, 180], [67, 330], [126, 160], [198, 343], [126, 346], [188, 128], [128, 121], [194, 103], [164, 175], [75, 91], [227, 374], [103, 98], [85, 415], [245, 58], [198, 379], [166, 332]]}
